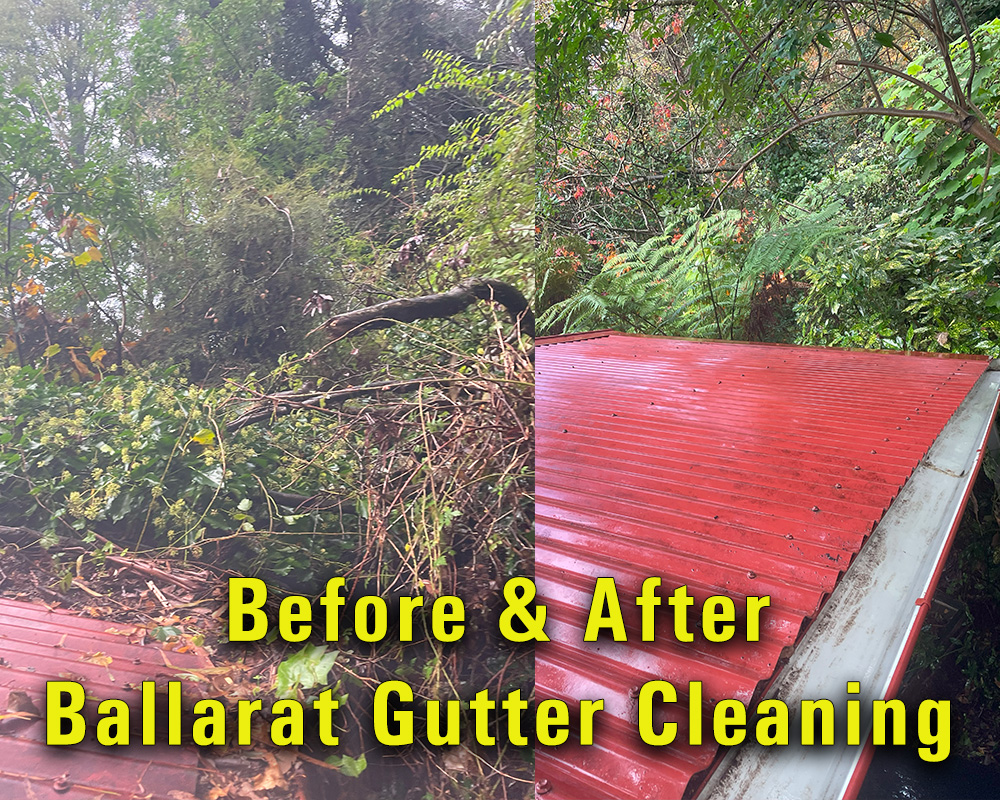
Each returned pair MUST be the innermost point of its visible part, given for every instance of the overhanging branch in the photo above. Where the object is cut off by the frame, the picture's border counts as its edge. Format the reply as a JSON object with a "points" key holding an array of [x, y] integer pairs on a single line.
{"points": [[432, 306], [969, 124]]}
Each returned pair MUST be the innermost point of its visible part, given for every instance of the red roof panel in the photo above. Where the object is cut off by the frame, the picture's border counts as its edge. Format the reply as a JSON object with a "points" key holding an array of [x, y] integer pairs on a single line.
{"points": [[730, 468], [38, 644]]}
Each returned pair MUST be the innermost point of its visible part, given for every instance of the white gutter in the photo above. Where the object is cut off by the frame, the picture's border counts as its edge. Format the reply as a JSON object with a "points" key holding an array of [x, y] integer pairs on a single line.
{"points": [[865, 632]]}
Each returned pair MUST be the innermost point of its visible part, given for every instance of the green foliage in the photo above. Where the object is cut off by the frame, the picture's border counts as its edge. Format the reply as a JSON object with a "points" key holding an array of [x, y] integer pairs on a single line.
{"points": [[953, 176], [478, 205], [905, 289], [348, 766], [308, 668], [141, 456], [699, 281]]}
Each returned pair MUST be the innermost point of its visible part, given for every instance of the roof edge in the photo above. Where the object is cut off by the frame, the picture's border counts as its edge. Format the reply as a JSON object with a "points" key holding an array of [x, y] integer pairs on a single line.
{"points": [[895, 573], [604, 333]]}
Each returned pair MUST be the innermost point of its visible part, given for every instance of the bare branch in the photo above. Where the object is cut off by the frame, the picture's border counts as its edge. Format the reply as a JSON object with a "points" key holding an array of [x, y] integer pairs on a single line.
{"points": [[445, 304]]}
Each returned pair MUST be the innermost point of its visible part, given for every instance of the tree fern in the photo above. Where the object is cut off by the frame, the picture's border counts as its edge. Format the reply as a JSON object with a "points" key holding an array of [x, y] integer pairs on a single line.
{"points": [[699, 282]]}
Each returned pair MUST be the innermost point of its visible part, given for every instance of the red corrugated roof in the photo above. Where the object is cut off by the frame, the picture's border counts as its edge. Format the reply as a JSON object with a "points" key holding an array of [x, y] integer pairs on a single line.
{"points": [[731, 468], [37, 645]]}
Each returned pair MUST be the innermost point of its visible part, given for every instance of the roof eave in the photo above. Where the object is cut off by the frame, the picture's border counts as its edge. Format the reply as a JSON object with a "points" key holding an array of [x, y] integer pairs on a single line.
{"points": [[867, 629]]}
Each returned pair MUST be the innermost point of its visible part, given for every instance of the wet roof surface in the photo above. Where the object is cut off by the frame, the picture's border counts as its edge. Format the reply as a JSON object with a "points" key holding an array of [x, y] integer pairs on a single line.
{"points": [[733, 469], [38, 645]]}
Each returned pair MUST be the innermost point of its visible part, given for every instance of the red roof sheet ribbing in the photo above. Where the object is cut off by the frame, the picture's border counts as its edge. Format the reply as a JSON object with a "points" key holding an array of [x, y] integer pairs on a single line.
{"points": [[730, 468], [37, 645]]}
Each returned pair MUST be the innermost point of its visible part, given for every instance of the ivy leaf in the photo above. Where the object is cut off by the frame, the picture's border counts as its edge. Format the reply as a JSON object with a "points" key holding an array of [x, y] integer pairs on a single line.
{"points": [[350, 767], [307, 668]]}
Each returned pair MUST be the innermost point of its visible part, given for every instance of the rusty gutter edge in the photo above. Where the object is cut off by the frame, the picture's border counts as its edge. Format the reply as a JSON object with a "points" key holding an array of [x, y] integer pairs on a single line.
{"points": [[868, 628]]}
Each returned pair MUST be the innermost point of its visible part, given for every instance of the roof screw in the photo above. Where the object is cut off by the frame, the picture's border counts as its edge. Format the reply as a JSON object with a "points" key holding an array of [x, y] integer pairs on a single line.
{"points": [[873, 451], [837, 486], [633, 693], [544, 786], [857, 469], [789, 536], [62, 784], [751, 575], [907, 417], [815, 509], [886, 439]]}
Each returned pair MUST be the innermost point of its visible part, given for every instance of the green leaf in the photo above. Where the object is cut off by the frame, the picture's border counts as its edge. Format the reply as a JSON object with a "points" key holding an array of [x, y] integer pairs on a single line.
{"points": [[165, 633], [884, 39], [51, 350], [307, 668], [245, 504], [212, 477], [350, 767]]}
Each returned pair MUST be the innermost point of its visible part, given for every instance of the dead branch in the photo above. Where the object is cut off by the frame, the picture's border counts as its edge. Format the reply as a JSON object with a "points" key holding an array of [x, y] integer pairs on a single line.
{"points": [[281, 405], [433, 306]]}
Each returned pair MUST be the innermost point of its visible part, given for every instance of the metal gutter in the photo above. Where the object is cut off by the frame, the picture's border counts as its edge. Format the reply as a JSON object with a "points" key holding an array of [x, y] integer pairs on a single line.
{"points": [[867, 629]]}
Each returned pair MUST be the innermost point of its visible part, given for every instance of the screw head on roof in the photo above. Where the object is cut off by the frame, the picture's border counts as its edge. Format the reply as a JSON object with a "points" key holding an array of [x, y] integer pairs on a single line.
{"points": [[544, 786], [751, 575], [62, 784], [633, 693], [815, 509], [789, 536], [837, 486], [873, 451], [857, 469]]}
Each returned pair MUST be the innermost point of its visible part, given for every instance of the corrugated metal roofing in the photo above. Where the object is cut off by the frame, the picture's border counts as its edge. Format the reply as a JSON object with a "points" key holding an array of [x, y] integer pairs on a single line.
{"points": [[38, 644], [735, 469]]}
